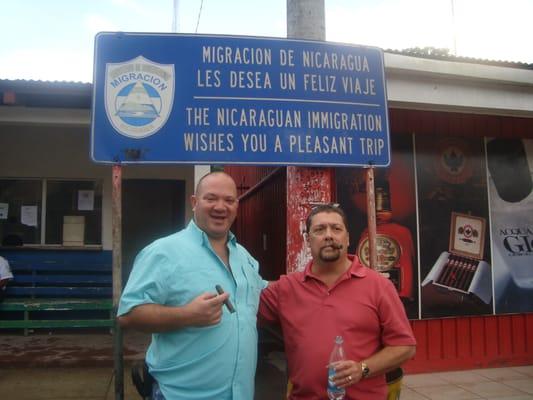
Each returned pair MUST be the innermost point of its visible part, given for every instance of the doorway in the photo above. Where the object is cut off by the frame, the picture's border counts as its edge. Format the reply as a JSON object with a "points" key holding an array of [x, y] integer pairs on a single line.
{"points": [[150, 209]]}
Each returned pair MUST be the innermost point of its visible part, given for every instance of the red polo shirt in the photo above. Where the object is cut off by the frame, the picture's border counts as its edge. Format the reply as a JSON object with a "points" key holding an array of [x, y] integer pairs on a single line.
{"points": [[362, 306]]}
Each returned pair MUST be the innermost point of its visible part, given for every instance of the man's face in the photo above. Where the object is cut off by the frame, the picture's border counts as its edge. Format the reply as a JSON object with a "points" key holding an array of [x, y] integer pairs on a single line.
{"points": [[215, 205], [327, 237]]}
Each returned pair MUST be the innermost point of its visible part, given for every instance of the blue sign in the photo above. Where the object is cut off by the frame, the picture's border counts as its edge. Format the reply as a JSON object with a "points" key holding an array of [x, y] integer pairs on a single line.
{"points": [[172, 98]]}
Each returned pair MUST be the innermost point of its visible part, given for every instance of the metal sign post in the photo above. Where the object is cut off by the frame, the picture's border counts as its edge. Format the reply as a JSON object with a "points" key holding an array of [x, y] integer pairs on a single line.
{"points": [[371, 215], [117, 280]]}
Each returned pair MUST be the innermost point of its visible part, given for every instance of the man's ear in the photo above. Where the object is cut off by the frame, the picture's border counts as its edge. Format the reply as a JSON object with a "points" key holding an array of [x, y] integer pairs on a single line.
{"points": [[194, 201]]}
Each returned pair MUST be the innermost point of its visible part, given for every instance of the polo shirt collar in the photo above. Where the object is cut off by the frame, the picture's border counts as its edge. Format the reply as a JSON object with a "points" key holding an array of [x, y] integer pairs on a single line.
{"points": [[201, 235], [357, 269]]}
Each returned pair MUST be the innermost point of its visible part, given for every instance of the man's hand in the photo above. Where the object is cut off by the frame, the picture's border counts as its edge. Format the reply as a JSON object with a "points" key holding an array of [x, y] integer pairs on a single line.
{"points": [[347, 373], [205, 309], [390, 357]]}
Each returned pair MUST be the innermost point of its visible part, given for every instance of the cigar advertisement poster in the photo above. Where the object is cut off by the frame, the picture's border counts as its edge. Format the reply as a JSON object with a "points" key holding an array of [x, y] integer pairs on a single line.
{"points": [[510, 168], [396, 218], [454, 223], [453, 214]]}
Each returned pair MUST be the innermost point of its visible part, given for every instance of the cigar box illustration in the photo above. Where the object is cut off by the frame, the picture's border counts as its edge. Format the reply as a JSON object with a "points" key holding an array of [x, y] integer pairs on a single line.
{"points": [[462, 270]]}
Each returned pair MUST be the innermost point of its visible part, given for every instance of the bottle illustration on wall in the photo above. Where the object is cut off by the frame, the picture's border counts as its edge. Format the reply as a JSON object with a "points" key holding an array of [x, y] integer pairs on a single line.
{"points": [[395, 247]]}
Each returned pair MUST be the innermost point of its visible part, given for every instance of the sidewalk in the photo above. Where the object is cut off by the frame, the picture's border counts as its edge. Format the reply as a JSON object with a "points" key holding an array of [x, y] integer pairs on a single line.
{"points": [[511, 383], [80, 366]]}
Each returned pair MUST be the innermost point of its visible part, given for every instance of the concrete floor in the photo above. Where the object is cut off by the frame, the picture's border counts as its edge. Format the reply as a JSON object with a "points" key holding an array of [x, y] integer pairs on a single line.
{"points": [[65, 365], [510, 383], [62, 383], [92, 383], [80, 366], [52, 349]]}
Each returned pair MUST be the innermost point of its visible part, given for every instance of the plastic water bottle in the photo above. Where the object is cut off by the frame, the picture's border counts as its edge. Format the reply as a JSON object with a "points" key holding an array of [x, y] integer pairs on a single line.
{"points": [[337, 354]]}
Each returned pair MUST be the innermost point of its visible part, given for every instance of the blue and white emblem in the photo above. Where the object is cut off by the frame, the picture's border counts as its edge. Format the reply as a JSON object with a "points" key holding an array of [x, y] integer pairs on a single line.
{"points": [[138, 96]]}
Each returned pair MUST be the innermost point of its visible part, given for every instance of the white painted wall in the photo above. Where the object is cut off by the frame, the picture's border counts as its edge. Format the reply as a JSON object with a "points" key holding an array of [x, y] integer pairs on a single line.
{"points": [[424, 84], [29, 151]]}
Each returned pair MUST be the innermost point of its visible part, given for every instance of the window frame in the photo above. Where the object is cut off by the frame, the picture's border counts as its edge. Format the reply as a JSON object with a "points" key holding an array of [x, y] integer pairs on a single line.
{"points": [[43, 209]]}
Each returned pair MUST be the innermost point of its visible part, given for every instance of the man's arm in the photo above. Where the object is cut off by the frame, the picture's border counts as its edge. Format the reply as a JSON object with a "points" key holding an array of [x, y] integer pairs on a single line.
{"points": [[385, 360], [268, 304], [204, 310], [389, 358]]}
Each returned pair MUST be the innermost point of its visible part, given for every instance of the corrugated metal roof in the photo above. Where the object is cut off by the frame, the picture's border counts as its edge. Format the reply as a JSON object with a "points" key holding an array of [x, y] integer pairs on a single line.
{"points": [[31, 93], [442, 55], [29, 83]]}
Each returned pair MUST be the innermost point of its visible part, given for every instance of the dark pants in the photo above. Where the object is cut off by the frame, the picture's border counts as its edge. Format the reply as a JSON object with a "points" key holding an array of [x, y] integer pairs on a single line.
{"points": [[156, 393]]}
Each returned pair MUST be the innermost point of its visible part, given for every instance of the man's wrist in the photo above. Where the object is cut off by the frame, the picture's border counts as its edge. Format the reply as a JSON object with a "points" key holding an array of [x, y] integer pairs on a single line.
{"points": [[365, 370], [182, 316]]}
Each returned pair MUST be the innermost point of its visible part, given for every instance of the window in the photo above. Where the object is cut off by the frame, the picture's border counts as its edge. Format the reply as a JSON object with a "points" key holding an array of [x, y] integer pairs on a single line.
{"points": [[20, 212], [72, 212], [73, 198]]}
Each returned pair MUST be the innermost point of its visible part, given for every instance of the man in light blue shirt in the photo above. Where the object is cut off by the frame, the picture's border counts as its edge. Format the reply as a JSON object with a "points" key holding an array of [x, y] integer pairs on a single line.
{"points": [[199, 350]]}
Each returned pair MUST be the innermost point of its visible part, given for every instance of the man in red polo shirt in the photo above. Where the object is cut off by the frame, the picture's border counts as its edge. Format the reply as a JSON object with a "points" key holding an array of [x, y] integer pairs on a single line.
{"points": [[336, 295]]}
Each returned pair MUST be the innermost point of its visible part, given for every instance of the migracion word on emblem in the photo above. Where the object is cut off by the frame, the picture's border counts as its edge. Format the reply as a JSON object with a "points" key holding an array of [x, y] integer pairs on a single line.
{"points": [[138, 96]]}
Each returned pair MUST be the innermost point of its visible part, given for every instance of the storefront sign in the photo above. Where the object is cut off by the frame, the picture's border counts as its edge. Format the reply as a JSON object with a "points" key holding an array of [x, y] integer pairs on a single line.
{"points": [[170, 98]]}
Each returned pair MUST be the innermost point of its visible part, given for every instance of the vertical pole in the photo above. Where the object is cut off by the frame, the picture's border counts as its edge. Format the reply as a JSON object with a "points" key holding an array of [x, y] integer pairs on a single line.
{"points": [[306, 19], [454, 29], [117, 280], [371, 213], [305, 186], [175, 16]]}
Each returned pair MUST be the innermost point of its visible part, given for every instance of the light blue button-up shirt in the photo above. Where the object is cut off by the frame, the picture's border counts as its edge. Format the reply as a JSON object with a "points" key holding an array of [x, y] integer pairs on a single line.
{"points": [[209, 363]]}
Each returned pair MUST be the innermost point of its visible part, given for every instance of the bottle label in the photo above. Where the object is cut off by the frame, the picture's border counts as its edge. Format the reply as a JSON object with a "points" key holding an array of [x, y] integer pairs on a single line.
{"points": [[331, 386]]}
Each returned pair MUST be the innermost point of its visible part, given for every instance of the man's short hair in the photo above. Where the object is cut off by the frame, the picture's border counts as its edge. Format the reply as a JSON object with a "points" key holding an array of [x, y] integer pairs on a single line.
{"points": [[328, 208], [209, 174]]}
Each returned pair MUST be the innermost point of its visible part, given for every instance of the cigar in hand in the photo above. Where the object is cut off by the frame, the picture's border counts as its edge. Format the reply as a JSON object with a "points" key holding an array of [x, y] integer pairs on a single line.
{"points": [[226, 302]]}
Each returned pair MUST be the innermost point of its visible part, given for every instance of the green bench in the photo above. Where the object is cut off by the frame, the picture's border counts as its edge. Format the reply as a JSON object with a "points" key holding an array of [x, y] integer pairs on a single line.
{"points": [[58, 290], [28, 306]]}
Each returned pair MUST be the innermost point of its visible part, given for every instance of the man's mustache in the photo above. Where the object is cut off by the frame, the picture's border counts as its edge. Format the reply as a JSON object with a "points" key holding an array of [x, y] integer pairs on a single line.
{"points": [[337, 246]]}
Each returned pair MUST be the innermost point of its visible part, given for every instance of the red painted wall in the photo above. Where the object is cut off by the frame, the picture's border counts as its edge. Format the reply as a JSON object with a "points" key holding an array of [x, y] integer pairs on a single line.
{"points": [[472, 342], [261, 221], [306, 187], [468, 342], [456, 124]]}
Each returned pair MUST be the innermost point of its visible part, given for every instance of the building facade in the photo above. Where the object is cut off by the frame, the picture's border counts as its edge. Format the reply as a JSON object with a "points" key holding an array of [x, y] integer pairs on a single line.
{"points": [[455, 233]]}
